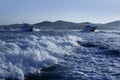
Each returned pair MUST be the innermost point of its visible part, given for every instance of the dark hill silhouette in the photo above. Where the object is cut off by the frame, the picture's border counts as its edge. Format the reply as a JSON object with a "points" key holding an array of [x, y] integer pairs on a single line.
{"points": [[59, 25], [65, 25], [115, 25]]}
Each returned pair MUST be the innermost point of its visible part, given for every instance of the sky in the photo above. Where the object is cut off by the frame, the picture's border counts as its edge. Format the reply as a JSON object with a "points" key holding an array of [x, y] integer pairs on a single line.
{"points": [[34, 11]]}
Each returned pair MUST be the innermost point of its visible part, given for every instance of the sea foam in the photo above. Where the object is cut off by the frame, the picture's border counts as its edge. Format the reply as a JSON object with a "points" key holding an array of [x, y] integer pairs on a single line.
{"points": [[29, 54]]}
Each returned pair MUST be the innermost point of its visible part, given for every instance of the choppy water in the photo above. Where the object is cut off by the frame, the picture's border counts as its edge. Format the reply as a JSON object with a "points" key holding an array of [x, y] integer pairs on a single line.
{"points": [[59, 55]]}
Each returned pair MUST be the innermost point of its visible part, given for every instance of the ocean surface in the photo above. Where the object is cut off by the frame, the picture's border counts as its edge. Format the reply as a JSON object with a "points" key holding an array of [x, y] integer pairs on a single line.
{"points": [[60, 55]]}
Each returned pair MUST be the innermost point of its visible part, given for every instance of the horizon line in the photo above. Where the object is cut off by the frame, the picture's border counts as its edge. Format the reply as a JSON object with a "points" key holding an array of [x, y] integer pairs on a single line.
{"points": [[60, 20]]}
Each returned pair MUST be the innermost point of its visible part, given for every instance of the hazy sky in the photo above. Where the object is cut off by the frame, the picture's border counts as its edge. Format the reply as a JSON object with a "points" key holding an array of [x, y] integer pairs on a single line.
{"points": [[32, 11]]}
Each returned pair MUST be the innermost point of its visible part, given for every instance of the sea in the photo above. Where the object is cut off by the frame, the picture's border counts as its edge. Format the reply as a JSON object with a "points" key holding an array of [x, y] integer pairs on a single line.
{"points": [[60, 55]]}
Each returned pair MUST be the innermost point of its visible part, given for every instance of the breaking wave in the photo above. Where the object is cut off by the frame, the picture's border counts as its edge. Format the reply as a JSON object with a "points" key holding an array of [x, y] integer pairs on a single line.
{"points": [[29, 54]]}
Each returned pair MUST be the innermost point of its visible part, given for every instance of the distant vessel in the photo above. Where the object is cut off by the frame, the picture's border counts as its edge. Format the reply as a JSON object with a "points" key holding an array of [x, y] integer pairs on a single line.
{"points": [[27, 27], [17, 27], [89, 29]]}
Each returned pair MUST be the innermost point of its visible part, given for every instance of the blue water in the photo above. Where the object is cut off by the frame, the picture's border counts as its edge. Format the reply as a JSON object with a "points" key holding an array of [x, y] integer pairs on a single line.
{"points": [[60, 55]]}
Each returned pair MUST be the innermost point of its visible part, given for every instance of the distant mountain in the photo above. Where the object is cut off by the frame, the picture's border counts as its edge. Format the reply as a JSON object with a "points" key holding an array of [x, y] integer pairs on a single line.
{"points": [[55, 25], [115, 23], [65, 25], [71, 25], [111, 25], [60, 25], [45, 23]]}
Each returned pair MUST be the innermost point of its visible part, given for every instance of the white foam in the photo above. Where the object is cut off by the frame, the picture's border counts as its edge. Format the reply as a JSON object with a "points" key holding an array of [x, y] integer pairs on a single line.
{"points": [[30, 54]]}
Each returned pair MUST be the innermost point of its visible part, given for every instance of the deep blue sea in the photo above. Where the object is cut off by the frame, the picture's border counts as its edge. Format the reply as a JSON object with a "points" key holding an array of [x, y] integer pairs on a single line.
{"points": [[60, 55]]}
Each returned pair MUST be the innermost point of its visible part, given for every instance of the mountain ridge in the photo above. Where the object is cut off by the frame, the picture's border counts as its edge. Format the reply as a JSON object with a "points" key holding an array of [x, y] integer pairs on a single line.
{"points": [[60, 24]]}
